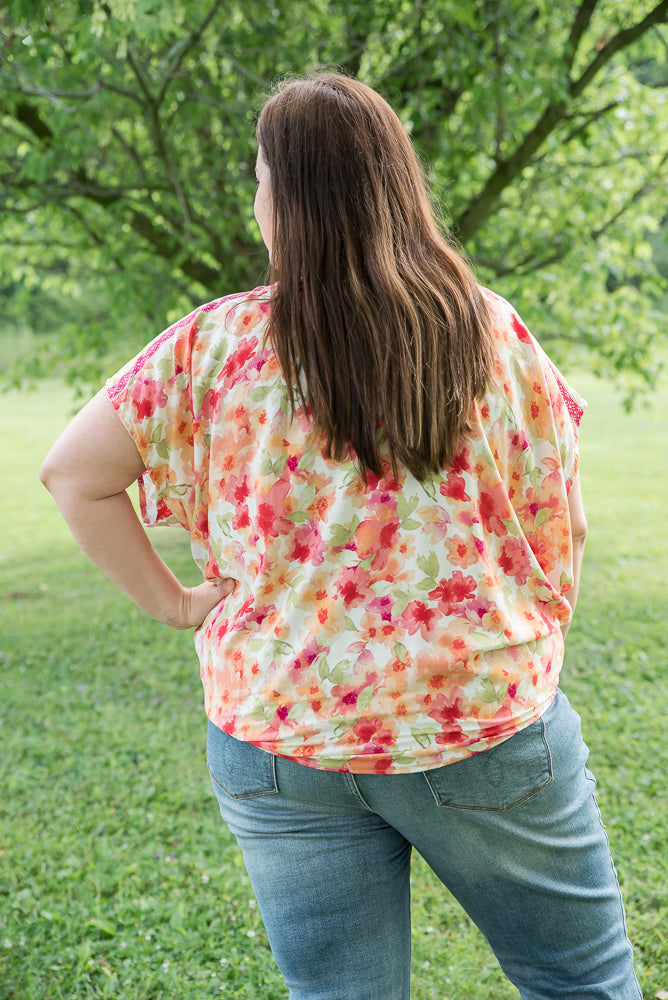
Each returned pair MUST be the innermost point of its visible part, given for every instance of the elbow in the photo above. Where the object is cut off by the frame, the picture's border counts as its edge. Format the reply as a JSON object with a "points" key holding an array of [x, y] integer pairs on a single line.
{"points": [[579, 533], [52, 475], [47, 473]]}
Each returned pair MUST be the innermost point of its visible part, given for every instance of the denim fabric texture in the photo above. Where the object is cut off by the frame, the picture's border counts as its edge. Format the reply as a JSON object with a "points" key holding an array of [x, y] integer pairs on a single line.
{"points": [[514, 833]]}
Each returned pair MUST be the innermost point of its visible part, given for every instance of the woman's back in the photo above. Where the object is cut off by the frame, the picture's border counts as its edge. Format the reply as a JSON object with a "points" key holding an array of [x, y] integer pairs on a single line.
{"points": [[385, 625]]}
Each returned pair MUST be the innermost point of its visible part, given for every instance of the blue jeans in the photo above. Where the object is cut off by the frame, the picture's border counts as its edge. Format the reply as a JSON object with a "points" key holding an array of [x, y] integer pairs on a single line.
{"points": [[514, 833]]}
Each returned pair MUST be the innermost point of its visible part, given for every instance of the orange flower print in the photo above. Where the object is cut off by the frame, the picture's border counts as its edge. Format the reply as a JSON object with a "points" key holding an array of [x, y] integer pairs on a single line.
{"points": [[375, 538], [462, 551]]}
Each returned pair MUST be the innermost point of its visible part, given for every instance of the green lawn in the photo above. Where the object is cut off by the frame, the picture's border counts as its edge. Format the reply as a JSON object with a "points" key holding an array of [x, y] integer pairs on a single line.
{"points": [[117, 878]]}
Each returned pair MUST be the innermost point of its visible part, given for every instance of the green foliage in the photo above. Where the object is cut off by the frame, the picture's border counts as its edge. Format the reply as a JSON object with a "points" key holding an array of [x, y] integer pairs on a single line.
{"points": [[127, 147]]}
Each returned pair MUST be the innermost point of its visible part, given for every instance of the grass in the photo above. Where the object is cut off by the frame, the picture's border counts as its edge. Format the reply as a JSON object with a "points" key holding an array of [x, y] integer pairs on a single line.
{"points": [[117, 877]]}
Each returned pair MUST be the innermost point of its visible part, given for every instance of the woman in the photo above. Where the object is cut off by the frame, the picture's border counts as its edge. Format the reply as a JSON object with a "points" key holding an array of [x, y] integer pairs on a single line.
{"points": [[377, 466]]}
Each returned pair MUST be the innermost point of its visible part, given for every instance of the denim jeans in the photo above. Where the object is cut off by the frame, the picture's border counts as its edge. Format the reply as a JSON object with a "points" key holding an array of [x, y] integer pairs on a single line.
{"points": [[514, 833]]}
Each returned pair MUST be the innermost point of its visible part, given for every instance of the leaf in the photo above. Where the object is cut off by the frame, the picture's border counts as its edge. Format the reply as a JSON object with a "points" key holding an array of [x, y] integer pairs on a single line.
{"points": [[259, 393], [400, 651], [543, 516], [266, 467], [102, 925], [488, 692], [406, 506], [429, 565], [365, 698]]}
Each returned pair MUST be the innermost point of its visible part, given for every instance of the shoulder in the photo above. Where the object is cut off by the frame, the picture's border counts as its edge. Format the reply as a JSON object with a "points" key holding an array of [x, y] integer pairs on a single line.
{"points": [[236, 314], [520, 358], [208, 331]]}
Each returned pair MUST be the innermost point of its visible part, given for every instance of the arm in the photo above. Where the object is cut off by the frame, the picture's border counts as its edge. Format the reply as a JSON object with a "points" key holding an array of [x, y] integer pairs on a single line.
{"points": [[87, 472], [579, 535]]}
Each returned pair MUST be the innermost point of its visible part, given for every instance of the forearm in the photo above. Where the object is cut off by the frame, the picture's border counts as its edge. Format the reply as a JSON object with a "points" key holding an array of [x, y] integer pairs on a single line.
{"points": [[111, 535], [87, 472]]}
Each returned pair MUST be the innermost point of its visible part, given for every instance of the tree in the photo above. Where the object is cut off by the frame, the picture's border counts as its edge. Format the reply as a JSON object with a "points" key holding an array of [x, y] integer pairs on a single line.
{"points": [[127, 148]]}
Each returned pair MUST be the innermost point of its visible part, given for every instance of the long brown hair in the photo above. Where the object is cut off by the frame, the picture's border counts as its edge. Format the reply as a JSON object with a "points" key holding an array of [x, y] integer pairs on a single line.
{"points": [[376, 319]]}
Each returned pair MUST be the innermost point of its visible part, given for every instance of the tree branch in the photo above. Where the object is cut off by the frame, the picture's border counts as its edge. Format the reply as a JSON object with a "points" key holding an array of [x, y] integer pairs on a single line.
{"points": [[478, 210], [178, 51], [620, 41]]}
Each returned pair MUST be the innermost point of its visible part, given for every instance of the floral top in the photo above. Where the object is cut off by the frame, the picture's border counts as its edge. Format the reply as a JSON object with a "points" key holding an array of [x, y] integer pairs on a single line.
{"points": [[389, 627]]}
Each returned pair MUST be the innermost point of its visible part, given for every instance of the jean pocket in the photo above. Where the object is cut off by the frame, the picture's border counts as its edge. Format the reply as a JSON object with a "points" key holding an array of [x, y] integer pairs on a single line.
{"points": [[239, 769], [497, 779]]}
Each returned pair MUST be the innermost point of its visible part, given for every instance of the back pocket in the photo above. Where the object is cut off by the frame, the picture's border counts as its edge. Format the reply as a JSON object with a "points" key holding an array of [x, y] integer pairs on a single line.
{"points": [[240, 769], [497, 779]]}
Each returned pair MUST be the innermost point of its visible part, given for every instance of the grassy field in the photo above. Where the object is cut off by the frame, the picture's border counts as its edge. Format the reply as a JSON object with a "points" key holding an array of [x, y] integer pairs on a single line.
{"points": [[117, 878]]}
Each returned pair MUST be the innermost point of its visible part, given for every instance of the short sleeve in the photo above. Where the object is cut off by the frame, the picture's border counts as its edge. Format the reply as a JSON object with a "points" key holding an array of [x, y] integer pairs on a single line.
{"points": [[568, 408], [152, 397]]}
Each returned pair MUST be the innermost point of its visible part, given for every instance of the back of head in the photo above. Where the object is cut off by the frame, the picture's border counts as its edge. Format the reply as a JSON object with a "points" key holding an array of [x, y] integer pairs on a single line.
{"points": [[377, 320]]}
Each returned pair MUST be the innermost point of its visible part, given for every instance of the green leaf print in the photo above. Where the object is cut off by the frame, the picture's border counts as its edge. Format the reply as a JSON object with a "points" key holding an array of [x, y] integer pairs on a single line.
{"points": [[543, 516], [423, 737], [162, 450], [405, 507], [429, 565], [488, 692], [400, 651], [260, 393], [365, 698], [340, 673]]}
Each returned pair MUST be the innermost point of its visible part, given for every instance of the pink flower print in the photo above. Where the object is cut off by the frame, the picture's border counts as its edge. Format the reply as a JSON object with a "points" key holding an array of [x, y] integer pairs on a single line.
{"points": [[494, 508], [478, 608], [454, 487], [520, 329], [147, 397], [241, 518], [534, 502], [436, 521], [210, 405], [307, 545], [272, 511], [514, 559], [236, 490], [451, 593], [382, 606], [354, 586], [309, 654], [237, 360], [347, 694], [460, 462], [418, 616], [373, 735], [446, 711]]}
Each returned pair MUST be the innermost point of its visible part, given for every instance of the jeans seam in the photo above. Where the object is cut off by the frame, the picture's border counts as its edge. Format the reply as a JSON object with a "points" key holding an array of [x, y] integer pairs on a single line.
{"points": [[354, 790], [248, 795]]}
